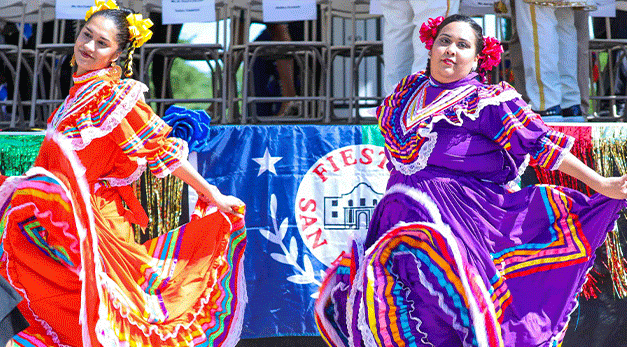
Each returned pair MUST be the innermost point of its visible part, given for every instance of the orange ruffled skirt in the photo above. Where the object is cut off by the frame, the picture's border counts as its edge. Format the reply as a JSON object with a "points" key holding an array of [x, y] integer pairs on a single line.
{"points": [[85, 282]]}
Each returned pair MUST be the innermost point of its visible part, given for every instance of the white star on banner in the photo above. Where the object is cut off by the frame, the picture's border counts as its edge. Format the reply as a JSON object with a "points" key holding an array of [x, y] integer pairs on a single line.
{"points": [[266, 163]]}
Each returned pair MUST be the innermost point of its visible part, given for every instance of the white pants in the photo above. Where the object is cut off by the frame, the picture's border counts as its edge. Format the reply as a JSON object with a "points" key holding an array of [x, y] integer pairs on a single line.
{"points": [[403, 52], [549, 48]]}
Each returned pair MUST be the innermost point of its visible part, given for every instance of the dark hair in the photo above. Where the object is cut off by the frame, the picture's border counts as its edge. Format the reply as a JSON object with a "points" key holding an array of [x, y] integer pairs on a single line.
{"points": [[123, 37], [476, 28]]}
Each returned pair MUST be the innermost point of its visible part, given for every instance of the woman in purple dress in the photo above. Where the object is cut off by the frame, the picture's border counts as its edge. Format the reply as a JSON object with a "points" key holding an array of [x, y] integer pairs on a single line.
{"points": [[456, 254]]}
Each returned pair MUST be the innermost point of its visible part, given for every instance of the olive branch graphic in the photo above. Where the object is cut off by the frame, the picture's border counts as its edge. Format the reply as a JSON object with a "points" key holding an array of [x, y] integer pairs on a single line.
{"points": [[305, 274]]}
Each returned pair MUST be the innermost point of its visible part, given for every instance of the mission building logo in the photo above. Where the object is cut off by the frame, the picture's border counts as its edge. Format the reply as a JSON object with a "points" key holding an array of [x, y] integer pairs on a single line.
{"points": [[336, 199]]}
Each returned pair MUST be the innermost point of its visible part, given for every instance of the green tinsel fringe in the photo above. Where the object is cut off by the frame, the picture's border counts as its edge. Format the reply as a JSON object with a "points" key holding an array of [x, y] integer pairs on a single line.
{"points": [[18, 152]]}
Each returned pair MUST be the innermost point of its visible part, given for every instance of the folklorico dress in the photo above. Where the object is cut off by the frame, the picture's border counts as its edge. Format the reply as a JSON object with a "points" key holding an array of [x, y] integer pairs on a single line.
{"points": [[68, 240], [456, 254]]}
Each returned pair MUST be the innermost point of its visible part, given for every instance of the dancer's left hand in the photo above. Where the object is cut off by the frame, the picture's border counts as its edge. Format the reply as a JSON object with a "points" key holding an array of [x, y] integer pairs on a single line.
{"points": [[231, 204]]}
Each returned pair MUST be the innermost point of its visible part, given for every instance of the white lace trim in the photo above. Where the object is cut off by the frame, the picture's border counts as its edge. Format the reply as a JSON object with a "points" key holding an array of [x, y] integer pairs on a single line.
{"points": [[426, 132], [238, 317], [13, 185], [411, 307], [84, 77], [483, 102], [449, 98], [362, 324], [342, 287], [569, 145], [456, 325], [423, 157], [420, 197], [507, 95], [325, 294], [82, 233], [231, 340], [113, 120], [8, 188], [121, 182], [59, 115], [460, 111], [79, 171], [350, 309], [514, 185], [141, 168]]}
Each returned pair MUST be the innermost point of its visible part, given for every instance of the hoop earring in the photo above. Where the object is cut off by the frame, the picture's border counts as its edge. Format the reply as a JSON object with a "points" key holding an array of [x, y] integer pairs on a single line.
{"points": [[73, 61], [115, 71]]}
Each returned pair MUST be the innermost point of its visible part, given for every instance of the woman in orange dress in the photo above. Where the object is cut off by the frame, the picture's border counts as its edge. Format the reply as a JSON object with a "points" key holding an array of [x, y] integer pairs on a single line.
{"points": [[67, 236]]}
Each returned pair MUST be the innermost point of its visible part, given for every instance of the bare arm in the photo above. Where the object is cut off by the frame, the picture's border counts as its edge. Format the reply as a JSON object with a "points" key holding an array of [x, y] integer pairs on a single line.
{"points": [[189, 175], [613, 187]]}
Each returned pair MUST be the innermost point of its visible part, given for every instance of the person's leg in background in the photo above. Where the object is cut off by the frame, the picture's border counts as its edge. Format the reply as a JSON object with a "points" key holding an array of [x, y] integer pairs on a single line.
{"points": [[568, 65], [540, 57], [620, 84], [583, 60], [619, 31], [516, 57], [398, 49]]}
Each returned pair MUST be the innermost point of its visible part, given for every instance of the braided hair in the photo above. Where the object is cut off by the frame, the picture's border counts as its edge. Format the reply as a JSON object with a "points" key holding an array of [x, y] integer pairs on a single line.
{"points": [[123, 37], [476, 28]]}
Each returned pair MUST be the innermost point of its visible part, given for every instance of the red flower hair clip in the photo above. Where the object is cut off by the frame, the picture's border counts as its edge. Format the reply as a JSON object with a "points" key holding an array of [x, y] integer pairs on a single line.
{"points": [[428, 30], [490, 56]]}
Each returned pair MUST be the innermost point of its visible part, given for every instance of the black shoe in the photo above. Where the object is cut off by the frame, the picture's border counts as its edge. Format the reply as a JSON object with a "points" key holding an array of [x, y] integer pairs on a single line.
{"points": [[551, 111], [620, 110], [573, 111]]}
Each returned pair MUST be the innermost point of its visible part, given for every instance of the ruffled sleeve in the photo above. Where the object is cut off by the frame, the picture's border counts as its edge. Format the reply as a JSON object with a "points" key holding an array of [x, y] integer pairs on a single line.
{"points": [[521, 132], [143, 137]]}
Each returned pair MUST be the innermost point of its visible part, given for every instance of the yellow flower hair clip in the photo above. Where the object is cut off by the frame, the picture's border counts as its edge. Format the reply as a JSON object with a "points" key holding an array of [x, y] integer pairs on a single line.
{"points": [[139, 29], [101, 5]]}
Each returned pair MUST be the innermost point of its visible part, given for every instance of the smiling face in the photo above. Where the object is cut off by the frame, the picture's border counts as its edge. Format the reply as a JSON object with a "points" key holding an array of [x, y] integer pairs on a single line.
{"points": [[96, 47], [454, 52]]}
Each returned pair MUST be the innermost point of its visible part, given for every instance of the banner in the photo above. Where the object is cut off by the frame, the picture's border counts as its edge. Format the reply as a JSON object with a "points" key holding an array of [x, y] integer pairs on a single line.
{"points": [[309, 190]]}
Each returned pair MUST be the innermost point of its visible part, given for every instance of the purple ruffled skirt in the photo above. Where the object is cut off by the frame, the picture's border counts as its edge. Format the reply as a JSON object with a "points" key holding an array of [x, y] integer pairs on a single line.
{"points": [[453, 261]]}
